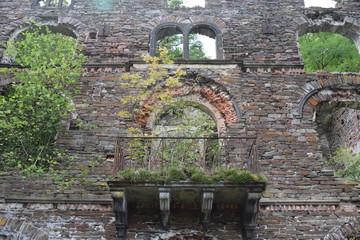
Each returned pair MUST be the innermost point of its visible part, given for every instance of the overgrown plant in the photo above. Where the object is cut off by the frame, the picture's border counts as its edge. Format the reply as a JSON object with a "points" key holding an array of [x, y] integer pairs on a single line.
{"points": [[179, 119], [161, 82], [346, 163], [329, 51], [31, 110], [193, 174]]}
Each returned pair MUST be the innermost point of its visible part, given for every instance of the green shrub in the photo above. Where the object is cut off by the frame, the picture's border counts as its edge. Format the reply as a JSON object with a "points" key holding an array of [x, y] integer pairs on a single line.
{"points": [[346, 163], [139, 175], [198, 175], [176, 174], [193, 175]]}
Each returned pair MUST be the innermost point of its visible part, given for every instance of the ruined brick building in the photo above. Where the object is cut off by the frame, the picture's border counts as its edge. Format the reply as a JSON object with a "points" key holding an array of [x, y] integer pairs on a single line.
{"points": [[256, 87]]}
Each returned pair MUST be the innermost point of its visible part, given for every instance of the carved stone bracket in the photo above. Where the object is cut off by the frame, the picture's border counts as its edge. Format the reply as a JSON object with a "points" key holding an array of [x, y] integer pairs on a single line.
{"points": [[204, 196], [121, 213], [164, 197], [206, 206], [249, 214]]}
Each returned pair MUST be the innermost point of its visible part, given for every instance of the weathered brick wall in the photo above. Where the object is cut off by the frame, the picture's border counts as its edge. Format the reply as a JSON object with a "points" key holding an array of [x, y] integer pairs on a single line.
{"points": [[345, 129], [56, 221], [276, 98]]}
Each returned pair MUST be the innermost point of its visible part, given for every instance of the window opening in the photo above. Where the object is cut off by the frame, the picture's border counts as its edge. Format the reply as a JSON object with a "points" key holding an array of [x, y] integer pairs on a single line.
{"points": [[60, 29], [173, 40], [201, 47], [92, 35], [329, 51], [202, 43], [195, 41], [53, 3], [104, 5], [320, 3], [184, 120], [186, 3], [74, 125]]}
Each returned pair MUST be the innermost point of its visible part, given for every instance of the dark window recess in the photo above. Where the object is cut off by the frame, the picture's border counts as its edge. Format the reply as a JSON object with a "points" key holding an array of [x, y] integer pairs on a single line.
{"points": [[103, 30], [73, 125], [110, 157], [92, 35], [53, 3]]}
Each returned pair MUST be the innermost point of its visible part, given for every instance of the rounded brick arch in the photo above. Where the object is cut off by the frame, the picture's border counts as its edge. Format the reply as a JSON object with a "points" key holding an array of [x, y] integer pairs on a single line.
{"points": [[205, 93], [71, 24], [65, 25], [196, 101], [330, 88], [317, 21]]}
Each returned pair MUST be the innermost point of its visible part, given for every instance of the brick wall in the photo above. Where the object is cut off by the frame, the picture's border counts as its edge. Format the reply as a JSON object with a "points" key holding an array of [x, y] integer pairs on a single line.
{"points": [[262, 74]]}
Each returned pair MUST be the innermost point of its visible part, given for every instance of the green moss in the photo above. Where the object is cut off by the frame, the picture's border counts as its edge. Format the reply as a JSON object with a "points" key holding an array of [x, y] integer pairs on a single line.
{"points": [[176, 174], [192, 175], [198, 175], [139, 175]]}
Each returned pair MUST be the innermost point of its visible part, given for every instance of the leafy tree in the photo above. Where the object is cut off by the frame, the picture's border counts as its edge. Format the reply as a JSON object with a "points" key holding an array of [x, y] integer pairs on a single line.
{"points": [[175, 3], [174, 45], [329, 51], [30, 112], [196, 48]]}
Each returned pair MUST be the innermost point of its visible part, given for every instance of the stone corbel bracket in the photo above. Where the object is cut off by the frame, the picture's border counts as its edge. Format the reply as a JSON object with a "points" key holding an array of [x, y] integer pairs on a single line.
{"points": [[207, 205], [250, 210], [164, 197], [121, 213]]}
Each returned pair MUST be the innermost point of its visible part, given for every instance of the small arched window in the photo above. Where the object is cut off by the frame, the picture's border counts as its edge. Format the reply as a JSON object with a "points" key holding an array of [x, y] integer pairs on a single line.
{"points": [[53, 3], [171, 38], [202, 42], [194, 41]]}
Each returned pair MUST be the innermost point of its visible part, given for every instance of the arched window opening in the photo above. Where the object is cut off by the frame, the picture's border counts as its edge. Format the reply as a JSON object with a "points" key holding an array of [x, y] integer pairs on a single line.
{"points": [[172, 39], [174, 44], [53, 3], [183, 119], [104, 5], [339, 133], [202, 43], [322, 3], [186, 3], [329, 51], [53, 29], [200, 147], [194, 41], [59, 29]]}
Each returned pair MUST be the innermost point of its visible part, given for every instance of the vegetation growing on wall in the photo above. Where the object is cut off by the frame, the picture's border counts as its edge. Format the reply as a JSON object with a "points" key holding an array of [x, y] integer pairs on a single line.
{"points": [[191, 174], [30, 112], [346, 163], [329, 51], [178, 120]]}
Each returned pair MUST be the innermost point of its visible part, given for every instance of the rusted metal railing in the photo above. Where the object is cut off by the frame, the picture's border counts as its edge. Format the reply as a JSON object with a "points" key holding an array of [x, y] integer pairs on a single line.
{"points": [[155, 153]]}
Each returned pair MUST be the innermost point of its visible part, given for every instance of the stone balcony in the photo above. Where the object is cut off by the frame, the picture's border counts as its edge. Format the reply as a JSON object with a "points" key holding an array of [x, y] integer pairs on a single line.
{"points": [[186, 204]]}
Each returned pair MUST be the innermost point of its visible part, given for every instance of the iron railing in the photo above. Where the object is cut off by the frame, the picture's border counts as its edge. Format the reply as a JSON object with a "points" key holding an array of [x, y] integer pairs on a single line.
{"points": [[155, 153]]}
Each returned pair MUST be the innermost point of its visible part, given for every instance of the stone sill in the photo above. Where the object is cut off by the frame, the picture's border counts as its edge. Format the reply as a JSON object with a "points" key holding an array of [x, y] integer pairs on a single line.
{"points": [[269, 202], [55, 201]]}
